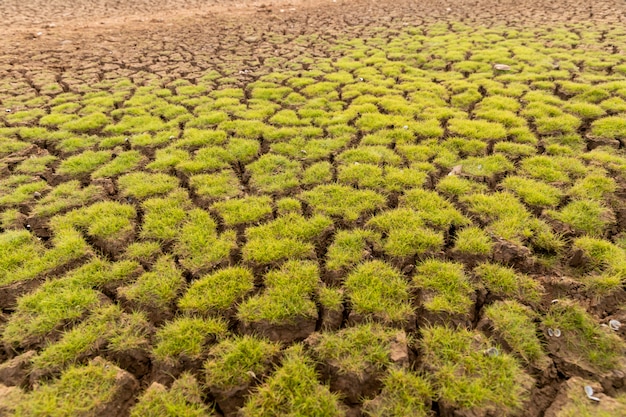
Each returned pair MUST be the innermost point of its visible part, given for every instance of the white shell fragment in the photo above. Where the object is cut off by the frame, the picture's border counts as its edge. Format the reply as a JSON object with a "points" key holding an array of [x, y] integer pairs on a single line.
{"points": [[492, 352], [502, 67], [615, 324], [554, 333], [589, 392]]}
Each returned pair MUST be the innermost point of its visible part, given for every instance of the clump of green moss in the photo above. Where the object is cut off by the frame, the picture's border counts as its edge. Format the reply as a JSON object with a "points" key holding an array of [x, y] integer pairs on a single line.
{"points": [[294, 389]]}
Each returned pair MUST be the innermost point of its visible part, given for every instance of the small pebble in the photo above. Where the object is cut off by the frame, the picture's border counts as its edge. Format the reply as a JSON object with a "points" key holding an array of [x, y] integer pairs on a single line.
{"points": [[36, 194], [405, 127], [492, 352], [615, 324], [8, 110], [361, 79], [502, 67]]}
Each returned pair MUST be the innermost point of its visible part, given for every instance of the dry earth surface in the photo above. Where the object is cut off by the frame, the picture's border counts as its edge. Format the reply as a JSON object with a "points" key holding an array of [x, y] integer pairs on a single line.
{"points": [[185, 70]]}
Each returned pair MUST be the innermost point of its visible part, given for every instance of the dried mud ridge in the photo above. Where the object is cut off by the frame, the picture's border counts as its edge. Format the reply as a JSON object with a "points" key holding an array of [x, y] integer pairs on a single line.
{"points": [[344, 187]]}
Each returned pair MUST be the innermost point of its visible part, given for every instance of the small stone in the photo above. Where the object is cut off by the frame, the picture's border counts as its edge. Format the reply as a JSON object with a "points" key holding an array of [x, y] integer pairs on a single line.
{"points": [[615, 324], [502, 67], [361, 79], [7, 110], [37, 194], [405, 127], [456, 170], [492, 352]]}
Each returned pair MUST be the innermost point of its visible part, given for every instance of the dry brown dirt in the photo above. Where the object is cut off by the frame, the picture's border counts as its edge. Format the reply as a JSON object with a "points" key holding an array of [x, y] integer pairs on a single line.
{"points": [[183, 38]]}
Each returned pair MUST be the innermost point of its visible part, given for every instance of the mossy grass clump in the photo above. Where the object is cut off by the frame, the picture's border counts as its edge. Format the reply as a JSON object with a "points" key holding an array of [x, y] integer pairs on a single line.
{"points": [[198, 244], [434, 209], [236, 364], [83, 163], [21, 192], [377, 291], [473, 241], [145, 252], [288, 205], [287, 298], [509, 219], [167, 158], [17, 249], [514, 324], [545, 168], [487, 166], [187, 337], [505, 282], [110, 223], [404, 393], [445, 288], [155, 291], [89, 123], [603, 264], [361, 176], [465, 378], [613, 127], [96, 388], [583, 342], [35, 165], [217, 186], [206, 159], [274, 174], [406, 234], [355, 358], [164, 216], [290, 236], [455, 186], [68, 246], [123, 162], [376, 155], [293, 389], [54, 305], [219, 292], [142, 185], [533, 192], [184, 398], [317, 174], [107, 324], [477, 129], [585, 216], [350, 247], [595, 186], [244, 210]]}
